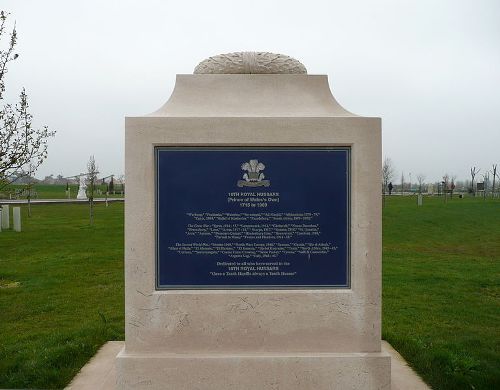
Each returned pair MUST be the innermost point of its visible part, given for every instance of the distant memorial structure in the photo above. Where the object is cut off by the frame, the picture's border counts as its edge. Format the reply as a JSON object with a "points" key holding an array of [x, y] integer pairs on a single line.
{"points": [[5, 217], [82, 188], [253, 235]]}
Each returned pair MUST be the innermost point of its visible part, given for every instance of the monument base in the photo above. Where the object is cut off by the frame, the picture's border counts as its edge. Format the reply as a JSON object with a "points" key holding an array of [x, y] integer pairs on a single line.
{"points": [[261, 371]]}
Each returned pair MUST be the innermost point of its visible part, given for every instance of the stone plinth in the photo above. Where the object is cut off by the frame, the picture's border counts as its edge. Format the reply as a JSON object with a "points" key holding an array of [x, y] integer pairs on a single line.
{"points": [[259, 338]]}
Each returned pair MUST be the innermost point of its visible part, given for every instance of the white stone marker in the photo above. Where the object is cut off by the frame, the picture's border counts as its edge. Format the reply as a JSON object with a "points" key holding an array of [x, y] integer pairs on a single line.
{"points": [[246, 338], [82, 189], [5, 217], [419, 199], [16, 216], [0, 221]]}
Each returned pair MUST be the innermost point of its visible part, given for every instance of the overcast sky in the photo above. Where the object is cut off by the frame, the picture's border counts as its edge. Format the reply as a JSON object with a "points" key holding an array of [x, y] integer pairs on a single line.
{"points": [[430, 69]]}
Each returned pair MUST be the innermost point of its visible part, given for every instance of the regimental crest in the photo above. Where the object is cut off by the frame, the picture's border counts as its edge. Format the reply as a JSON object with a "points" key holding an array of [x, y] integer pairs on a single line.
{"points": [[253, 177]]}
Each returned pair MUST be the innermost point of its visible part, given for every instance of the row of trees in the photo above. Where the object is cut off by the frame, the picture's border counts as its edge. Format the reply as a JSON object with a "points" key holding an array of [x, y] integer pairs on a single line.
{"points": [[448, 184]]}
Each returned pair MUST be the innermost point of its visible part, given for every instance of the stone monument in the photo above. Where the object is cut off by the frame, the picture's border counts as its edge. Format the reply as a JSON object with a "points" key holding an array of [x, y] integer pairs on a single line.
{"points": [[5, 217], [16, 216], [252, 235], [82, 189]]}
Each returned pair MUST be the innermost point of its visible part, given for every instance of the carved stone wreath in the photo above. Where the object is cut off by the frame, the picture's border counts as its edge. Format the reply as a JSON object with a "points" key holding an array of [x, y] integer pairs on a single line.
{"points": [[250, 62]]}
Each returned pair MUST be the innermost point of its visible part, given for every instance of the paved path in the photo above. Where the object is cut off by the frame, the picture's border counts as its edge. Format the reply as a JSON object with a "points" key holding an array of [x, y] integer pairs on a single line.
{"points": [[46, 201], [99, 373]]}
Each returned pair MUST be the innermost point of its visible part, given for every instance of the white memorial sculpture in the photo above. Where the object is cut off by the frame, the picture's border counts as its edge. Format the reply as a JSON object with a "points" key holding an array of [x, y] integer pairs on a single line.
{"points": [[82, 189]]}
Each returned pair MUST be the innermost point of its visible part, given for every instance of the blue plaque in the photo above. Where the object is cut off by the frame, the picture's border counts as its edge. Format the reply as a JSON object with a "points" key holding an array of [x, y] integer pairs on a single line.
{"points": [[252, 217]]}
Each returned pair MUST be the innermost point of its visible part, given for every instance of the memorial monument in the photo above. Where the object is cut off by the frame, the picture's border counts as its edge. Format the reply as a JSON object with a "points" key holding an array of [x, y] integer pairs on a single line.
{"points": [[252, 235], [82, 188]]}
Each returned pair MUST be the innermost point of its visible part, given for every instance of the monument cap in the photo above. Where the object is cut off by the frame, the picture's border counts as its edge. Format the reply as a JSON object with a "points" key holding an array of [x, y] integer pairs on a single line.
{"points": [[251, 84], [250, 62]]}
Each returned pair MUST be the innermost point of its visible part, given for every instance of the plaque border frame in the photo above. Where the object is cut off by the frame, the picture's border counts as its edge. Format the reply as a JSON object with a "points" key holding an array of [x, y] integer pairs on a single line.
{"points": [[184, 147]]}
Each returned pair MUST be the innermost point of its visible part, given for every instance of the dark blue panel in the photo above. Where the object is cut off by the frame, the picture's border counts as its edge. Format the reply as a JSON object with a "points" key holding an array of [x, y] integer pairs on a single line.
{"points": [[252, 217]]}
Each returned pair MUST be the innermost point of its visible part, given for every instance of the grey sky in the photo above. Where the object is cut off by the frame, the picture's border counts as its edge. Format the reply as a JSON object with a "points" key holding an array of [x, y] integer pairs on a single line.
{"points": [[430, 69]]}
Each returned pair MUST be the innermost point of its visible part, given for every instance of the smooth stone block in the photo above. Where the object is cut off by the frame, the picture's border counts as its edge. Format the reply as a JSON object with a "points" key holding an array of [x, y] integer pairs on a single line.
{"points": [[363, 371], [16, 216], [5, 217], [100, 372]]}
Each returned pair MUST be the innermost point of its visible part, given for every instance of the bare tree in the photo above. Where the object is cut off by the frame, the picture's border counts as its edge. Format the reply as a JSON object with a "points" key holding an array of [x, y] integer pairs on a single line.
{"points": [[387, 175], [473, 172], [446, 184], [31, 170], [111, 185], [452, 185], [387, 172], [486, 183], [494, 172], [420, 179], [108, 185], [402, 183], [92, 172], [22, 147], [121, 179]]}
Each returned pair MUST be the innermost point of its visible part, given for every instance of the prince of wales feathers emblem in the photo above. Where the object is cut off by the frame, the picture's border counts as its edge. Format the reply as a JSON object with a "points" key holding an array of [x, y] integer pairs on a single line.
{"points": [[253, 177]]}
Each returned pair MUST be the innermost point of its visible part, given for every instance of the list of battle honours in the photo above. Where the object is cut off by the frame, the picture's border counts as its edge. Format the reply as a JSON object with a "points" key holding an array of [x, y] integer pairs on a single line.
{"points": [[213, 231]]}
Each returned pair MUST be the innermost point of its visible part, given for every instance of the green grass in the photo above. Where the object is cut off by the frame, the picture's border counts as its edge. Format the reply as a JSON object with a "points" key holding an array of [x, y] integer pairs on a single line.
{"points": [[57, 191], [441, 294], [61, 291]]}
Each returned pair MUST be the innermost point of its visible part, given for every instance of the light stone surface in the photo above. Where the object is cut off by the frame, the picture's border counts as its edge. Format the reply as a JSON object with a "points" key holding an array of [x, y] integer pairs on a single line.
{"points": [[286, 339], [402, 375], [5, 217], [100, 372], [82, 189], [250, 62], [257, 372], [256, 96], [16, 216]]}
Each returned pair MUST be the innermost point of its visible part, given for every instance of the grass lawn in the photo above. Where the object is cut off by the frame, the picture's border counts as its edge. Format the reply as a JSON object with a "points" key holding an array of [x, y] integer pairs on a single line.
{"points": [[441, 295], [61, 293]]}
